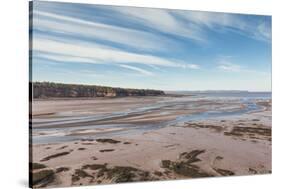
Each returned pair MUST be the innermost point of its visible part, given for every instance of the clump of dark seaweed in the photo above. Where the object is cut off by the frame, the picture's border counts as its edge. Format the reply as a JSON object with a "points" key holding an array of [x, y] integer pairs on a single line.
{"points": [[224, 172], [118, 174], [107, 150], [62, 169], [35, 166], [185, 165], [107, 140], [43, 178], [55, 156]]}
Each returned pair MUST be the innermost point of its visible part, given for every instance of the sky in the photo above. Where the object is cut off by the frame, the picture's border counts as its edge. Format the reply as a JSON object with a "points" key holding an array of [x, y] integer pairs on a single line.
{"points": [[150, 48]]}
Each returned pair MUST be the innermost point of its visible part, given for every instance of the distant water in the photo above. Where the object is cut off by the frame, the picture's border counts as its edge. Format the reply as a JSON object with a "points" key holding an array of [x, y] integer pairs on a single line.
{"points": [[226, 94]]}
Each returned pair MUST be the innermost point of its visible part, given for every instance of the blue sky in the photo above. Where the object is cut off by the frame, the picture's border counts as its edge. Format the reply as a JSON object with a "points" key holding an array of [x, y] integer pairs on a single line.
{"points": [[150, 48]]}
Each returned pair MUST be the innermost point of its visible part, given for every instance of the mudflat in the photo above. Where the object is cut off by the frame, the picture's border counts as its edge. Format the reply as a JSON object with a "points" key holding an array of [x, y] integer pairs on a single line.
{"points": [[112, 140]]}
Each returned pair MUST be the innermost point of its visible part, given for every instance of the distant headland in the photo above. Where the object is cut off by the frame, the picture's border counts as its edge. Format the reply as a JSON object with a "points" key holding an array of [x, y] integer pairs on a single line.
{"points": [[57, 90]]}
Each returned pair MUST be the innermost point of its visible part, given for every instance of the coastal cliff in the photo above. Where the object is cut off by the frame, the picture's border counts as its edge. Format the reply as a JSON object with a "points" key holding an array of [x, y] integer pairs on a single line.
{"points": [[56, 90]]}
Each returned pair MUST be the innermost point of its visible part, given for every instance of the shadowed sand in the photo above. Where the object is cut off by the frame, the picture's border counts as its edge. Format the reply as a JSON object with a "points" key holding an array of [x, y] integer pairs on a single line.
{"points": [[227, 145]]}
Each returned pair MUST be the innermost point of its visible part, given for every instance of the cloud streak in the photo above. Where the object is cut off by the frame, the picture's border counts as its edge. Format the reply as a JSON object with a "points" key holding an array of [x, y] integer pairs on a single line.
{"points": [[259, 29], [139, 70], [227, 66], [69, 51], [141, 40]]}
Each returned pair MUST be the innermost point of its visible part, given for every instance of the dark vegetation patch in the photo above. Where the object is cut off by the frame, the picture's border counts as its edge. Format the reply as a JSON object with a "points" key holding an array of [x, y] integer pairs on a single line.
{"points": [[85, 140], [78, 174], [224, 172], [107, 140], [36, 166], [158, 173], [171, 145], [94, 158], [55, 156], [94, 166], [107, 150], [47, 148], [81, 149], [255, 120], [252, 171], [116, 174], [127, 143], [62, 169], [87, 143], [205, 126], [43, 178], [63, 147], [185, 165], [250, 132], [219, 158]]}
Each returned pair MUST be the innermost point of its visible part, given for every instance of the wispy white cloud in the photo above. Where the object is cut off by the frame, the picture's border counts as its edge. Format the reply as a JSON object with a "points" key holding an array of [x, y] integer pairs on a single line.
{"points": [[140, 70], [69, 51], [191, 66], [228, 66], [161, 20], [137, 39], [260, 29]]}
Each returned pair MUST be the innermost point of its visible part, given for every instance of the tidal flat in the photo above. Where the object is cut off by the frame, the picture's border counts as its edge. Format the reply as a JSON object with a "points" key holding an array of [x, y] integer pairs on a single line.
{"points": [[79, 141]]}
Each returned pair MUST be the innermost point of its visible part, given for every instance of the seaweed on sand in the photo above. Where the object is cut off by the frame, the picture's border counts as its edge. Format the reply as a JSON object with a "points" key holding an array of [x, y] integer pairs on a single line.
{"points": [[224, 172], [36, 166], [62, 169], [215, 128], [107, 150], [81, 149], [55, 156], [119, 174], [107, 140], [251, 132], [79, 173], [184, 165], [43, 178]]}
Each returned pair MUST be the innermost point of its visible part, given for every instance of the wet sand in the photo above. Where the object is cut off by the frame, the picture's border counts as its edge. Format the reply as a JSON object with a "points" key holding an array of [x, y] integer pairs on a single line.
{"points": [[161, 142]]}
